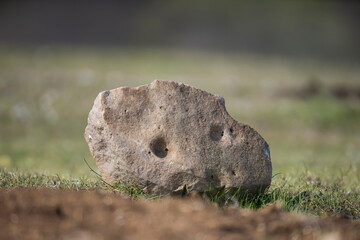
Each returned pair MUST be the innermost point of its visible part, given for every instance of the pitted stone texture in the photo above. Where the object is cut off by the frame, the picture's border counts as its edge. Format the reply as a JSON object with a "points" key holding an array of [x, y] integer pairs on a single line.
{"points": [[169, 138]]}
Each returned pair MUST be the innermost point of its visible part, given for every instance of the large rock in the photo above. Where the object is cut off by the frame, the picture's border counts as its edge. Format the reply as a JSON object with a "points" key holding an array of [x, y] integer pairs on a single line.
{"points": [[168, 137]]}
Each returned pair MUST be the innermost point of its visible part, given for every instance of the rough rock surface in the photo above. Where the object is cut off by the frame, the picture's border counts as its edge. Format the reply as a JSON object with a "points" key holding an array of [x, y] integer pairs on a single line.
{"points": [[172, 138]]}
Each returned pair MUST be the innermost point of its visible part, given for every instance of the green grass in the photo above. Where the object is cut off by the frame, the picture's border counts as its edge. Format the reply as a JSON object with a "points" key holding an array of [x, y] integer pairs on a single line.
{"points": [[47, 93], [304, 194], [12, 180]]}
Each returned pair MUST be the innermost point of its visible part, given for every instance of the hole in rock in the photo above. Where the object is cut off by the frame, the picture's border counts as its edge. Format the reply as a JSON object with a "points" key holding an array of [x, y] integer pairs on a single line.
{"points": [[184, 191], [231, 130], [216, 132], [158, 147]]}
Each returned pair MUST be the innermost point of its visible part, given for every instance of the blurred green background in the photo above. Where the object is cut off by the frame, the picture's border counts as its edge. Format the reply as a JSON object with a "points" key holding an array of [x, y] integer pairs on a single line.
{"points": [[305, 103]]}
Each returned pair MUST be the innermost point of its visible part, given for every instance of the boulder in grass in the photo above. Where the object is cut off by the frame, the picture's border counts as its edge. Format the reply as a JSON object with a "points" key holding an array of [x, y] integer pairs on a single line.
{"points": [[168, 137]]}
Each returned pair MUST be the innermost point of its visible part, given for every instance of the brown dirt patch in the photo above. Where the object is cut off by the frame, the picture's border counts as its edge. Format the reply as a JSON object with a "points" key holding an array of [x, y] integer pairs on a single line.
{"points": [[54, 214]]}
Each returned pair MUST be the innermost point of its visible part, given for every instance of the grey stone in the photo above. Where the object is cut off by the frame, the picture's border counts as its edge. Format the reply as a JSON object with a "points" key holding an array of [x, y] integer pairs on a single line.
{"points": [[169, 137]]}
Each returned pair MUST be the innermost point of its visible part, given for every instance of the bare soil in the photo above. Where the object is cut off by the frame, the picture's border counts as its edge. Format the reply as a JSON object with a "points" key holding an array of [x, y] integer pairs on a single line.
{"points": [[55, 214]]}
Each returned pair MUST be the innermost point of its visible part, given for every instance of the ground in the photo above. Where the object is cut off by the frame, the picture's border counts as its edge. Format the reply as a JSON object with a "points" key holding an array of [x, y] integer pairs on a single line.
{"points": [[51, 214], [307, 110]]}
